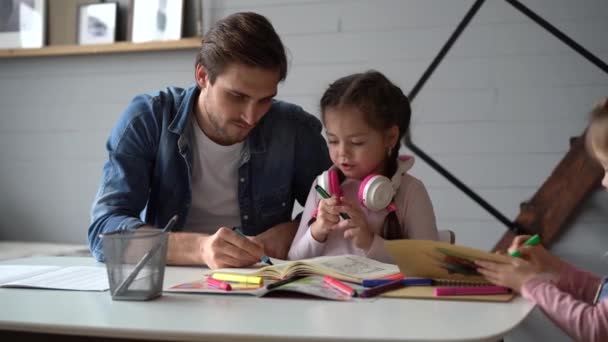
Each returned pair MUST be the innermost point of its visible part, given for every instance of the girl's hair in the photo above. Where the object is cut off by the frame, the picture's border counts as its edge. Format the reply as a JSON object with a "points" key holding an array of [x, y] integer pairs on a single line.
{"points": [[383, 105], [597, 134]]}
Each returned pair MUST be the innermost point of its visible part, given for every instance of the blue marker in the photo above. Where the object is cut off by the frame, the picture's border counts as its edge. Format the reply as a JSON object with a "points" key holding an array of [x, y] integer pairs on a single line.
{"points": [[265, 259]]}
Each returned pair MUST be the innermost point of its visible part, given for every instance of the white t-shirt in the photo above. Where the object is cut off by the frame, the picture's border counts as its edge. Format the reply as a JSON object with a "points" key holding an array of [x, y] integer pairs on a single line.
{"points": [[214, 184]]}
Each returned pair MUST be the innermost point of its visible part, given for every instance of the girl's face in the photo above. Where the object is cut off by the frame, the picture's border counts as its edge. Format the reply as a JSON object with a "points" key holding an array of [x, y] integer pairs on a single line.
{"points": [[354, 147]]}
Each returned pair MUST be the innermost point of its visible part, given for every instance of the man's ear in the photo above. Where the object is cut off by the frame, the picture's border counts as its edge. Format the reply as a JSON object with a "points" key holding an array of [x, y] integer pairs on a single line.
{"points": [[201, 76]]}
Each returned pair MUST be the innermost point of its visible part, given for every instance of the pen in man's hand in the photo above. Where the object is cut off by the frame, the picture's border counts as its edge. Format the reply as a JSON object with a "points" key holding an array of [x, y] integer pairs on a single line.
{"points": [[265, 258]]}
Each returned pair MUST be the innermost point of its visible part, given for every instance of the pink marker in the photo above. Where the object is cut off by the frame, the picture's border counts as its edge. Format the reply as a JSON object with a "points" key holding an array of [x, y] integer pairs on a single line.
{"points": [[218, 284], [470, 290], [338, 285]]}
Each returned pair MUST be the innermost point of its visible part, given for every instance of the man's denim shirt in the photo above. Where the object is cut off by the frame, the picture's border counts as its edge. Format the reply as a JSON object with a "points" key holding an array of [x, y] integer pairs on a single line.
{"points": [[150, 160]]}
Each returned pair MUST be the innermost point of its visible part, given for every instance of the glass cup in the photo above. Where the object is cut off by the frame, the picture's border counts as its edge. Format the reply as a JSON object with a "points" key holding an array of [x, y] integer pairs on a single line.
{"points": [[135, 261]]}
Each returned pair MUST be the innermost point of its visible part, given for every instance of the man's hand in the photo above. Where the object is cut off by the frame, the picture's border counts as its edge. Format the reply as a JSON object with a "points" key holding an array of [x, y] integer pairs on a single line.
{"points": [[277, 240], [225, 248]]}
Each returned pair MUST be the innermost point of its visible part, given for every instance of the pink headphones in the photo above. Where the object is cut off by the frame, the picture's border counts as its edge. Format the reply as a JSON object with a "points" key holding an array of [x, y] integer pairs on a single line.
{"points": [[376, 191]]}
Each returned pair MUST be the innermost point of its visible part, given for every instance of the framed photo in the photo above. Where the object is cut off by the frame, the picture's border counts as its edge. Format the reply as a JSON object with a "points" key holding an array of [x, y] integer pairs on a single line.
{"points": [[97, 23], [22, 23], [156, 20]]}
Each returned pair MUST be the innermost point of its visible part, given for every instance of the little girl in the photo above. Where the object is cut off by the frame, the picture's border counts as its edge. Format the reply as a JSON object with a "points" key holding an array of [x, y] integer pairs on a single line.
{"points": [[372, 196], [572, 298]]}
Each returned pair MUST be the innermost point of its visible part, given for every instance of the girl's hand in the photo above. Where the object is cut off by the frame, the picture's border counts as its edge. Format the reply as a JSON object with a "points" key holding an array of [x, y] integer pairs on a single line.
{"points": [[542, 260], [356, 227], [327, 217], [512, 275], [534, 260]]}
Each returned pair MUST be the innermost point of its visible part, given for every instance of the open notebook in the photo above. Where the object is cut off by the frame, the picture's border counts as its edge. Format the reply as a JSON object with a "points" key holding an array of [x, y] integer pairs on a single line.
{"points": [[446, 264], [310, 285], [350, 268]]}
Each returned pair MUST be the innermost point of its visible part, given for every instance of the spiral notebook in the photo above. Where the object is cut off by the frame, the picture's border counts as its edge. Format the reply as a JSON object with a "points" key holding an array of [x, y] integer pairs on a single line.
{"points": [[446, 264]]}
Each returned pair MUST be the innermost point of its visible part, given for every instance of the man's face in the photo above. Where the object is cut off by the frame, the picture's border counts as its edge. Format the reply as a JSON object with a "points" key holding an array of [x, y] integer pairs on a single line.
{"points": [[228, 109]]}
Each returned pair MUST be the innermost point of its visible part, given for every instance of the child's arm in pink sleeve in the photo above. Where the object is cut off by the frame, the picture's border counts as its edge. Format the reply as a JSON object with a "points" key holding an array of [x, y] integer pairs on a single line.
{"points": [[579, 319], [304, 245], [580, 284]]}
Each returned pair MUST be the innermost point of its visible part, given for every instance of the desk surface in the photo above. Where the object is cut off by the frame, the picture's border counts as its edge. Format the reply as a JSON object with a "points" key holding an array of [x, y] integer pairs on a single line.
{"points": [[187, 317]]}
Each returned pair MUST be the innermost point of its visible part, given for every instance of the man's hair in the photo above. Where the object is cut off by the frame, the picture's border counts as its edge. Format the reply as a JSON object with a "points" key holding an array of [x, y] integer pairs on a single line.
{"points": [[247, 38], [597, 134]]}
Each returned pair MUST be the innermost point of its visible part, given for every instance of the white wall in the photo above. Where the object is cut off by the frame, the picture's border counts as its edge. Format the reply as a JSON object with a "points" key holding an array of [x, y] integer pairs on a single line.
{"points": [[498, 112]]}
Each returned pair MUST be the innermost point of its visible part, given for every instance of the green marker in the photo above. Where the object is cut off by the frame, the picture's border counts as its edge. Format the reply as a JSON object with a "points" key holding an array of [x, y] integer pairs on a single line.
{"points": [[532, 241], [325, 195]]}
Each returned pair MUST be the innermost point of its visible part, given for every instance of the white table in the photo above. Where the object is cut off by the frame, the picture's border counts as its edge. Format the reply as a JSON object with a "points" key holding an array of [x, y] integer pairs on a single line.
{"points": [[189, 317]]}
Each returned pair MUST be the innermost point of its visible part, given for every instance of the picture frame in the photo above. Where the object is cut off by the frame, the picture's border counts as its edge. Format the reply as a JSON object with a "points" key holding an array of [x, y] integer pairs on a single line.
{"points": [[97, 23], [22, 23], [151, 20]]}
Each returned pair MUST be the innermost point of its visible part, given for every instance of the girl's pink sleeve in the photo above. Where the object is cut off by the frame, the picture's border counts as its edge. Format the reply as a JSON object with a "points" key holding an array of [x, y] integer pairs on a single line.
{"points": [[579, 319], [580, 284], [304, 245]]}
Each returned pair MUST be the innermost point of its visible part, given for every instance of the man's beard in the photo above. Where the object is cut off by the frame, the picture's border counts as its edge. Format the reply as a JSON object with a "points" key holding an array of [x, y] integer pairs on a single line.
{"points": [[221, 133]]}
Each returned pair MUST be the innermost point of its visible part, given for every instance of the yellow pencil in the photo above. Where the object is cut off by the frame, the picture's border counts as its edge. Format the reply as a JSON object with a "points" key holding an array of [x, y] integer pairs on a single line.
{"points": [[238, 278]]}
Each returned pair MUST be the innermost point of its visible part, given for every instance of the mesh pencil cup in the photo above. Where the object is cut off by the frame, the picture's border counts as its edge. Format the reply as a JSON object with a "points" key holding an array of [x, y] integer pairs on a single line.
{"points": [[135, 261]]}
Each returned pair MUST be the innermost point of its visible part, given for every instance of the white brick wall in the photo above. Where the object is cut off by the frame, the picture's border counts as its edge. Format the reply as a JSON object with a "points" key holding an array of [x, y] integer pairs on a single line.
{"points": [[497, 113]]}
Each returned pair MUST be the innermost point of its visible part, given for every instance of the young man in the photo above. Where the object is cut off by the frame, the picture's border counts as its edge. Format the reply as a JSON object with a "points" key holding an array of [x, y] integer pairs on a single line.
{"points": [[220, 154]]}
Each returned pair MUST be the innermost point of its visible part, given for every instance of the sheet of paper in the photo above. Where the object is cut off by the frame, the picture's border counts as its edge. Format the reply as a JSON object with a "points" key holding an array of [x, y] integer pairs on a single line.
{"points": [[78, 278], [10, 273]]}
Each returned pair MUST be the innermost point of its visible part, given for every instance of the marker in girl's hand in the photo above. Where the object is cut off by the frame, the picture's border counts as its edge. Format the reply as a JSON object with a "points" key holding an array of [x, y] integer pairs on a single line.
{"points": [[532, 241], [325, 195]]}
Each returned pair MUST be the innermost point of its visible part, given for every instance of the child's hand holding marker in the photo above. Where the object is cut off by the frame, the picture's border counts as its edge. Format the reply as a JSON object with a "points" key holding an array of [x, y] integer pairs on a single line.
{"points": [[329, 212], [326, 196], [328, 215], [530, 259], [356, 227], [527, 241], [530, 249]]}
